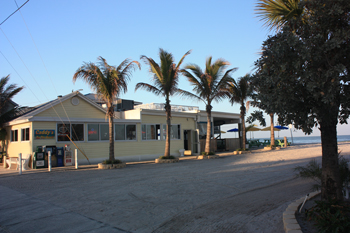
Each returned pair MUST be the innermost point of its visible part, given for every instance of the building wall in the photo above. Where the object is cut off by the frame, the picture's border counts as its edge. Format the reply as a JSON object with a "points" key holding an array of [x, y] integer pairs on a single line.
{"points": [[82, 110], [97, 151], [24, 147]]}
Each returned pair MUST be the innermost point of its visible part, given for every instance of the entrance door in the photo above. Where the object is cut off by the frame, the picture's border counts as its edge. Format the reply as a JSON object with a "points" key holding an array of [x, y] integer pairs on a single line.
{"points": [[191, 140]]}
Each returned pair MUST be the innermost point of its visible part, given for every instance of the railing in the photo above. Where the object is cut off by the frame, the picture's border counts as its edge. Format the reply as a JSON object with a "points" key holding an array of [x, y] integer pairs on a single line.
{"points": [[174, 108]]}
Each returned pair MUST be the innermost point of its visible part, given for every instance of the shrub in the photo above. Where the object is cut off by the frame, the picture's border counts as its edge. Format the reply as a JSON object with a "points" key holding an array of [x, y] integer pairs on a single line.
{"points": [[107, 161], [167, 157], [330, 216], [210, 153], [313, 171], [117, 161]]}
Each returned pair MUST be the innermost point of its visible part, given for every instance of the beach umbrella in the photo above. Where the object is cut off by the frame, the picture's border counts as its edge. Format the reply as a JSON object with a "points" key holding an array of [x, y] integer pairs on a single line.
{"points": [[232, 130], [252, 128], [268, 128], [280, 127]]}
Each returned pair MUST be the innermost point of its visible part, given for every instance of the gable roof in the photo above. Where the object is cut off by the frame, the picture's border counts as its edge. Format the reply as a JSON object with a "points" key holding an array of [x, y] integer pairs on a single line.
{"points": [[45, 106]]}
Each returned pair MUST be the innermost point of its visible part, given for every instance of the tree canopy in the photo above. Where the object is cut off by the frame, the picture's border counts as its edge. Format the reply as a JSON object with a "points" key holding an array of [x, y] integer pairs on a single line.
{"points": [[303, 76]]}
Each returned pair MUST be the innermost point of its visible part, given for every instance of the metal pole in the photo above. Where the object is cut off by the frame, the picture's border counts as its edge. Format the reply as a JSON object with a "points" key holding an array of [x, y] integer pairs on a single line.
{"points": [[49, 155], [20, 163], [76, 158]]}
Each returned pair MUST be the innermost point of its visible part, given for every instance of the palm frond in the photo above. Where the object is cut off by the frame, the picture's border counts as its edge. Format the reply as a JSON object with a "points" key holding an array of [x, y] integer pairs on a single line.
{"points": [[154, 67], [186, 94], [149, 88], [276, 13]]}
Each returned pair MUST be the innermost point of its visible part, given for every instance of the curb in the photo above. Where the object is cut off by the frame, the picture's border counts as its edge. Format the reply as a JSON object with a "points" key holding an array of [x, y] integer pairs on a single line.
{"points": [[289, 221]]}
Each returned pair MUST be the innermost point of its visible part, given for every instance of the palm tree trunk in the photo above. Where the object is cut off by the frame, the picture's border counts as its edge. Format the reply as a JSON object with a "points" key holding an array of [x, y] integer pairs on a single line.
{"points": [[111, 131], [207, 140], [243, 125], [272, 130], [331, 184], [168, 127]]}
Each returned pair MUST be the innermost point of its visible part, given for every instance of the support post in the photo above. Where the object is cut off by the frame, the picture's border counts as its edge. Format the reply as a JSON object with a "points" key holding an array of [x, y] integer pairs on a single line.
{"points": [[20, 163], [285, 142], [76, 158], [49, 160]]}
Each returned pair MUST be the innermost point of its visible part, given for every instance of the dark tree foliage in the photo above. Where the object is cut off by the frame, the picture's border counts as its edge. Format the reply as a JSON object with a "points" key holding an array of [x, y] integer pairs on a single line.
{"points": [[256, 116], [303, 77]]}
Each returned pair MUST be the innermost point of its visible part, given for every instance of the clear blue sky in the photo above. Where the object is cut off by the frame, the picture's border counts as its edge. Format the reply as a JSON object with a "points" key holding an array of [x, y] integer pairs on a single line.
{"points": [[68, 33]]}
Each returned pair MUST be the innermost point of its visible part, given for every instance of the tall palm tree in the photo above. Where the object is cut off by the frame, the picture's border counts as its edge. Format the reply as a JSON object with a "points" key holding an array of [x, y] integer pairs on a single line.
{"points": [[208, 85], [240, 92], [109, 82], [7, 92], [165, 80], [276, 13]]}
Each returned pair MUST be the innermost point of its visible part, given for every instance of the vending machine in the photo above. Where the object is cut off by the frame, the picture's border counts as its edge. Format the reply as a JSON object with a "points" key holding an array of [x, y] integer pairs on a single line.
{"points": [[38, 160], [60, 156], [68, 157], [52, 149]]}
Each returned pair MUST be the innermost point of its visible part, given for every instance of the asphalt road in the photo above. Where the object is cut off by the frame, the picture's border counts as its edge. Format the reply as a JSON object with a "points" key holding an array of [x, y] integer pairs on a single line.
{"points": [[235, 193]]}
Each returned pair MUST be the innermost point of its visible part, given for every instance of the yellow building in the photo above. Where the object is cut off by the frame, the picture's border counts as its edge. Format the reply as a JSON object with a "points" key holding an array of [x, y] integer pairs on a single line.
{"points": [[139, 134]]}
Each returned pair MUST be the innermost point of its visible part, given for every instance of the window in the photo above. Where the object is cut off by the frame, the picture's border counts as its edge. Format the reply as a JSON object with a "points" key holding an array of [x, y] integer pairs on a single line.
{"points": [[73, 131], [78, 132], [93, 132], [130, 132], [150, 132], [125, 132], [25, 134], [104, 131], [14, 135], [174, 132]]}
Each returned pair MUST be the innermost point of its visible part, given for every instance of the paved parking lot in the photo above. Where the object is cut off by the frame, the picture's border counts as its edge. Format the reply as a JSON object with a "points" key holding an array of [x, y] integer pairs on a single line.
{"points": [[236, 193]]}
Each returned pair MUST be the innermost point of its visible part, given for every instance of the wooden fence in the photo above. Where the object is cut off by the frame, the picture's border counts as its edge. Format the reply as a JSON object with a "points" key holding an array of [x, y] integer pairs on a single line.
{"points": [[217, 145]]}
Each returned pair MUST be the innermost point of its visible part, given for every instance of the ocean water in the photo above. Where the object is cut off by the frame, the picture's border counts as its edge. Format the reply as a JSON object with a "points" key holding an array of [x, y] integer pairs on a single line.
{"points": [[309, 139]]}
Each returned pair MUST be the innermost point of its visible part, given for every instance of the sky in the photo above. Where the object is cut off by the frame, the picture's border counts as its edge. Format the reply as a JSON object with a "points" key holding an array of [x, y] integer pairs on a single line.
{"points": [[45, 42]]}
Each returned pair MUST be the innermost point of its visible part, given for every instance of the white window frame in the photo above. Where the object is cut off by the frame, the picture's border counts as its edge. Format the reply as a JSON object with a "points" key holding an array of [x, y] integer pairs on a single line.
{"points": [[23, 135], [125, 133], [178, 128], [99, 132], [11, 135], [70, 132], [158, 138], [100, 136]]}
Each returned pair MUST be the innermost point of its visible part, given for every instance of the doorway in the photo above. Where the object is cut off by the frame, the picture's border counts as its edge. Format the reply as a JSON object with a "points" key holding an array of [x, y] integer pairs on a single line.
{"points": [[191, 140]]}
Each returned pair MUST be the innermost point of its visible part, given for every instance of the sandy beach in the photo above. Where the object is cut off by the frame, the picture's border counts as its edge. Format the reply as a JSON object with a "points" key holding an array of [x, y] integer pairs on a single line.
{"points": [[235, 193]]}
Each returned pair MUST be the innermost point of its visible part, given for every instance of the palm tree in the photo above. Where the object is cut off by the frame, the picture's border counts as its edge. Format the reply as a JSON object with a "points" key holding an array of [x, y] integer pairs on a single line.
{"points": [[276, 13], [209, 86], [165, 80], [7, 92], [109, 82], [240, 92]]}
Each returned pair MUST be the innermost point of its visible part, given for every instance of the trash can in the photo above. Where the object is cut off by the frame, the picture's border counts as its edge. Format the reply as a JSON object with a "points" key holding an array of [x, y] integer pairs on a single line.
{"points": [[60, 156]]}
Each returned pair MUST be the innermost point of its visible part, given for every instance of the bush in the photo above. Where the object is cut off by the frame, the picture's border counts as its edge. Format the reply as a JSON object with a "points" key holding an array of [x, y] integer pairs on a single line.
{"points": [[313, 171], [107, 161], [330, 216], [210, 153], [167, 157]]}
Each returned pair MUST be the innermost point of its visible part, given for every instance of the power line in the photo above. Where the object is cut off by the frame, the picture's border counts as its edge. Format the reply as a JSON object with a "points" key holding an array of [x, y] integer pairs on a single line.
{"points": [[13, 12]]}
